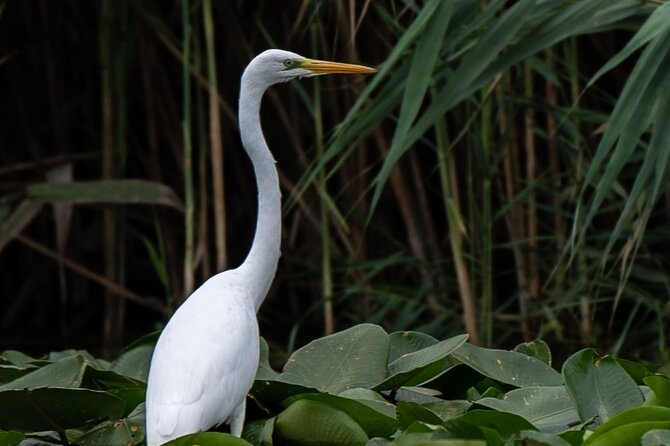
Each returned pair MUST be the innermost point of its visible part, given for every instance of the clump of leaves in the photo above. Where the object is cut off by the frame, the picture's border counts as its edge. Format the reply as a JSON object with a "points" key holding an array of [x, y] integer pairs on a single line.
{"points": [[361, 386]]}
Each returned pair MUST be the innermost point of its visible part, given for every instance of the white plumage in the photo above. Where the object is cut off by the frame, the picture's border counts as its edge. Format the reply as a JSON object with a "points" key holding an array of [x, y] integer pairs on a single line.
{"points": [[205, 360], [204, 363]]}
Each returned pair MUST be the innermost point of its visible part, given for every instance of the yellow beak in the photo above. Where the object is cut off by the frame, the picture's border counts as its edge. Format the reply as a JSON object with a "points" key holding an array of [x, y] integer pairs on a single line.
{"points": [[327, 67]]}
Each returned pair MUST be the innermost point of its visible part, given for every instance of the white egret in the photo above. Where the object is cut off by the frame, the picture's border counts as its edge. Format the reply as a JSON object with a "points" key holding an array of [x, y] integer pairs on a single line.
{"points": [[206, 358]]}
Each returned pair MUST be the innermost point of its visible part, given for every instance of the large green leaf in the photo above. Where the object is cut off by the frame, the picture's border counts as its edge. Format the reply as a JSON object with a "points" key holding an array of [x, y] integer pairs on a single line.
{"points": [[265, 370], [312, 423], [404, 342], [495, 427], [656, 437], [550, 409], [636, 370], [448, 409], [374, 417], [409, 412], [506, 424], [660, 390], [65, 372], [370, 397], [271, 392], [628, 427], [254, 431], [135, 363], [106, 191], [423, 357], [17, 358], [54, 408], [416, 367], [11, 372], [352, 358], [105, 379], [10, 438], [538, 349], [455, 381], [432, 439], [123, 432], [535, 438], [600, 387], [417, 394], [508, 367], [128, 389], [135, 359], [208, 439]]}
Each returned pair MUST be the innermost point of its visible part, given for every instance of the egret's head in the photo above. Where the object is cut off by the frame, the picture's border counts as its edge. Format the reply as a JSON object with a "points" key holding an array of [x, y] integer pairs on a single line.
{"points": [[274, 66]]}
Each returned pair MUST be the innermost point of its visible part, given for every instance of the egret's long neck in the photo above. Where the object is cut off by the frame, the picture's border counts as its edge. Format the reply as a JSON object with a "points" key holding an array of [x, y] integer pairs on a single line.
{"points": [[261, 262]]}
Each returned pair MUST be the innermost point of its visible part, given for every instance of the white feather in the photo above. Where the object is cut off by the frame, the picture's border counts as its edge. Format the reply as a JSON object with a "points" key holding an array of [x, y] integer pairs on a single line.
{"points": [[204, 362]]}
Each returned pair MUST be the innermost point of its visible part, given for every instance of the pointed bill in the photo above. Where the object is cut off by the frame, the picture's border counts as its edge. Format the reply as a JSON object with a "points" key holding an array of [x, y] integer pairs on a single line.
{"points": [[327, 67]]}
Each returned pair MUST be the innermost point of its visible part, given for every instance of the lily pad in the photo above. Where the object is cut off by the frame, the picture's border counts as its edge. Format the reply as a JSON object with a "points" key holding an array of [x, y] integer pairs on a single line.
{"points": [[600, 387], [550, 409], [11, 438], [660, 390], [537, 349], [123, 432], [65, 372], [352, 358], [628, 427], [512, 368], [374, 418], [312, 423], [51, 408], [208, 439], [419, 366]]}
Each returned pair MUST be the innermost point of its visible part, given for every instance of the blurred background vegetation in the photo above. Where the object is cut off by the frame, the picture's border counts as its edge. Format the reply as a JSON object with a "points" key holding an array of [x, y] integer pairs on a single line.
{"points": [[504, 173]]}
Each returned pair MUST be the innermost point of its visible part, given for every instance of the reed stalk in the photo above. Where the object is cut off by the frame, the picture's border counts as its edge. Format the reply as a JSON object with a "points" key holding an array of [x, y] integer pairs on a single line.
{"points": [[572, 60], [514, 216], [486, 139], [107, 113], [531, 184], [216, 145], [456, 230], [189, 198], [324, 232]]}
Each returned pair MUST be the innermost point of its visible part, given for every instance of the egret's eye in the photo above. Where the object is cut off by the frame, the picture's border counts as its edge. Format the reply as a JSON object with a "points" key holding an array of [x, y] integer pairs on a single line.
{"points": [[290, 63]]}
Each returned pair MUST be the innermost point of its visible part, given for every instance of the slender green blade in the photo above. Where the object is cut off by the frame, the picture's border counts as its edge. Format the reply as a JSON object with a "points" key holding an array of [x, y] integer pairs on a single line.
{"points": [[657, 23], [418, 80], [107, 192], [630, 119]]}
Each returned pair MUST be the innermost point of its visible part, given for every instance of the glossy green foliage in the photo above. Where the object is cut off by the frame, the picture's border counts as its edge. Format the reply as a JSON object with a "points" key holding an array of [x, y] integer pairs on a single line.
{"points": [[361, 386]]}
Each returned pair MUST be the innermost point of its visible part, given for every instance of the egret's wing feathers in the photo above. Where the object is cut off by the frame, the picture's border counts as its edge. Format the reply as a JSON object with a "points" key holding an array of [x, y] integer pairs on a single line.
{"points": [[202, 366]]}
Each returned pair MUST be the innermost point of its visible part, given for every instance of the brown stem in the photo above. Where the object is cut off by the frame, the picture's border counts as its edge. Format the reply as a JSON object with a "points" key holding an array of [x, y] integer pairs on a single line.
{"points": [[113, 310], [531, 178], [116, 291], [514, 217], [216, 147]]}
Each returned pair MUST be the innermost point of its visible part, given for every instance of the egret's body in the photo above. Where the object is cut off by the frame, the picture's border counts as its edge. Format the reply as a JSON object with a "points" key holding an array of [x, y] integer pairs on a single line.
{"points": [[205, 360]]}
